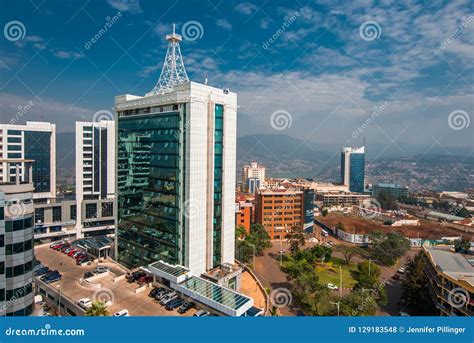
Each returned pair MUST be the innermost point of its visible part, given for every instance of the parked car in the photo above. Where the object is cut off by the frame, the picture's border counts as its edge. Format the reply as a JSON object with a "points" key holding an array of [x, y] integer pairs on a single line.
{"points": [[122, 313], [88, 275], [174, 304], [201, 313], [83, 260], [77, 253], [401, 270], [155, 291], [51, 276], [145, 279], [85, 303], [41, 271], [135, 276], [71, 252], [185, 307], [168, 297], [332, 287], [101, 269], [161, 294]]}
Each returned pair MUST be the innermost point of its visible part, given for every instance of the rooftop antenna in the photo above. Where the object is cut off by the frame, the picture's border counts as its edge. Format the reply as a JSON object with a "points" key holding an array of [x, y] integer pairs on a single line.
{"points": [[173, 72]]}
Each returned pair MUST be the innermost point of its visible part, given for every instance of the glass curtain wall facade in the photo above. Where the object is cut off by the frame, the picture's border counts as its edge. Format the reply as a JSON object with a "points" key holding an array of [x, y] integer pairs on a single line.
{"points": [[150, 187], [38, 148], [357, 172], [218, 151]]}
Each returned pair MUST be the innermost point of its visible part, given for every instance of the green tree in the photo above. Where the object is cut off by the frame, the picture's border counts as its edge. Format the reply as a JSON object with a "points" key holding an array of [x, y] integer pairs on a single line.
{"points": [[349, 251], [415, 287], [387, 249], [462, 245], [296, 238], [386, 201], [367, 276], [97, 309], [325, 212], [358, 303], [240, 232]]}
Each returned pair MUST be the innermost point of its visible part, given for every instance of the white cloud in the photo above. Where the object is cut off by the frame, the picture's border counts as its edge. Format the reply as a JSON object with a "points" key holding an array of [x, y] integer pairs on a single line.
{"points": [[132, 6], [224, 23], [62, 114], [66, 55], [246, 8]]}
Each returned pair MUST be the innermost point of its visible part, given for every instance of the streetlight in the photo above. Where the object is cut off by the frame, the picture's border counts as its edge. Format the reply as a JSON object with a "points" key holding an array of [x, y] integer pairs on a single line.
{"points": [[337, 305]]}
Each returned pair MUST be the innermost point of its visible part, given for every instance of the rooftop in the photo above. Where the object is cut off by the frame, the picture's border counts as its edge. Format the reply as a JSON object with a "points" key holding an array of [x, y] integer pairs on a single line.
{"points": [[390, 185], [452, 264]]}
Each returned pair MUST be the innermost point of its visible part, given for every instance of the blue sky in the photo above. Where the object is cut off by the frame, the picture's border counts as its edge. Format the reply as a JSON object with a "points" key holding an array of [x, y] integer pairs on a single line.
{"points": [[311, 62]]}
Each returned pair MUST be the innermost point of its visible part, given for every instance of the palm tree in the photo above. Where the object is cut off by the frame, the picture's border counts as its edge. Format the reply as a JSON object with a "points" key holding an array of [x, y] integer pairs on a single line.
{"points": [[97, 309]]}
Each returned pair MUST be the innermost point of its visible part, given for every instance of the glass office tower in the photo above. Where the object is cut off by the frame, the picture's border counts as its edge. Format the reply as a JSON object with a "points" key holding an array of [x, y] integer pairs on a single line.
{"points": [[353, 168], [176, 177]]}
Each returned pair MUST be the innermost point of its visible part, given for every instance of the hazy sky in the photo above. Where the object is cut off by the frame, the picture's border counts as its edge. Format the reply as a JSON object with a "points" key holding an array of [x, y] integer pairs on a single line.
{"points": [[398, 71]]}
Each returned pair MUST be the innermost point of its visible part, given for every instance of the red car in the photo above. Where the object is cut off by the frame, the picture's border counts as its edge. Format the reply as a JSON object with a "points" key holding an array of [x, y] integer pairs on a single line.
{"points": [[70, 253], [145, 279]]}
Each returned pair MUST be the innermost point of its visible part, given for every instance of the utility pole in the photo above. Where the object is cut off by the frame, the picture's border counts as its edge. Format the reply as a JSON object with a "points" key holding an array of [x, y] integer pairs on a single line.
{"points": [[340, 282]]}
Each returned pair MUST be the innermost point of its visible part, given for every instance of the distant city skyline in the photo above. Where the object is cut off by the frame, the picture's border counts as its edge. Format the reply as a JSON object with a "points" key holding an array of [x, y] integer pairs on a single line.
{"points": [[331, 73]]}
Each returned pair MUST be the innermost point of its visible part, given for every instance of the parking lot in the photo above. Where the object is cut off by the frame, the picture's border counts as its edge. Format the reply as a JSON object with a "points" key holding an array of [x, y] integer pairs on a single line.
{"points": [[114, 286]]}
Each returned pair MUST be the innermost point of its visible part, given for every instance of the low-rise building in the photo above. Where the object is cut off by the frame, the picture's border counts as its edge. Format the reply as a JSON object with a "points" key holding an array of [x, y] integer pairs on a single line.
{"points": [[279, 210], [395, 190], [451, 279], [339, 198], [244, 214]]}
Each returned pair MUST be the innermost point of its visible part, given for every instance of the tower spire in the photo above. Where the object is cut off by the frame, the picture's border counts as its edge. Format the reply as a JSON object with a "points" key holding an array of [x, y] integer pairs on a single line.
{"points": [[173, 72]]}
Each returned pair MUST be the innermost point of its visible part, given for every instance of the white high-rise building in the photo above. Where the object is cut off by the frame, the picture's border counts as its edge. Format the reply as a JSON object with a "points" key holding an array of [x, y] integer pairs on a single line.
{"points": [[353, 168], [17, 243], [253, 172], [176, 172], [33, 141], [95, 174]]}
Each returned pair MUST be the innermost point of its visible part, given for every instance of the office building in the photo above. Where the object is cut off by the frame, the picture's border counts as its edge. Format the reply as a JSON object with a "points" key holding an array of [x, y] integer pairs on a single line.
{"points": [[176, 158], [353, 168], [95, 177], [244, 213], [279, 210], [35, 141], [395, 190], [451, 280], [253, 176], [16, 239], [339, 198]]}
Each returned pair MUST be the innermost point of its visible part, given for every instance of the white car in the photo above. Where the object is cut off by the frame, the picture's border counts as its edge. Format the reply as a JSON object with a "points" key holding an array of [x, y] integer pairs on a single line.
{"points": [[401, 270], [85, 303], [201, 313], [332, 287], [122, 313]]}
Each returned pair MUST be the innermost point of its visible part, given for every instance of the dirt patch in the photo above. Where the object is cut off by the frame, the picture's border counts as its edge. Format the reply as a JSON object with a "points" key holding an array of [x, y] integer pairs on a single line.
{"points": [[360, 225]]}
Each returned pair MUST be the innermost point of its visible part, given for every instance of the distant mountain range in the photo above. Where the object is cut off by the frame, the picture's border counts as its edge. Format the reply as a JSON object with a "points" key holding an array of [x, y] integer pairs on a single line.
{"points": [[285, 156]]}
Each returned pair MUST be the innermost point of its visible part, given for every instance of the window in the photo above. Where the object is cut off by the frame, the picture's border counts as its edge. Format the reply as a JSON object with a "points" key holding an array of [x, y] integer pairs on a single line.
{"points": [[19, 270], [17, 248], [14, 148], [17, 225], [14, 140], [14, 155], [91, 211], [2, 268], [2, 213], [39, 215], [108, 209], [57, 214], [14, 132], [73, 212]]}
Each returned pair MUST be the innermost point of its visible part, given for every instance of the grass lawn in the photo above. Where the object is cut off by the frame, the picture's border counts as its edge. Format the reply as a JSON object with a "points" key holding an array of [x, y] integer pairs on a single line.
{"points": [[328, 275]]}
